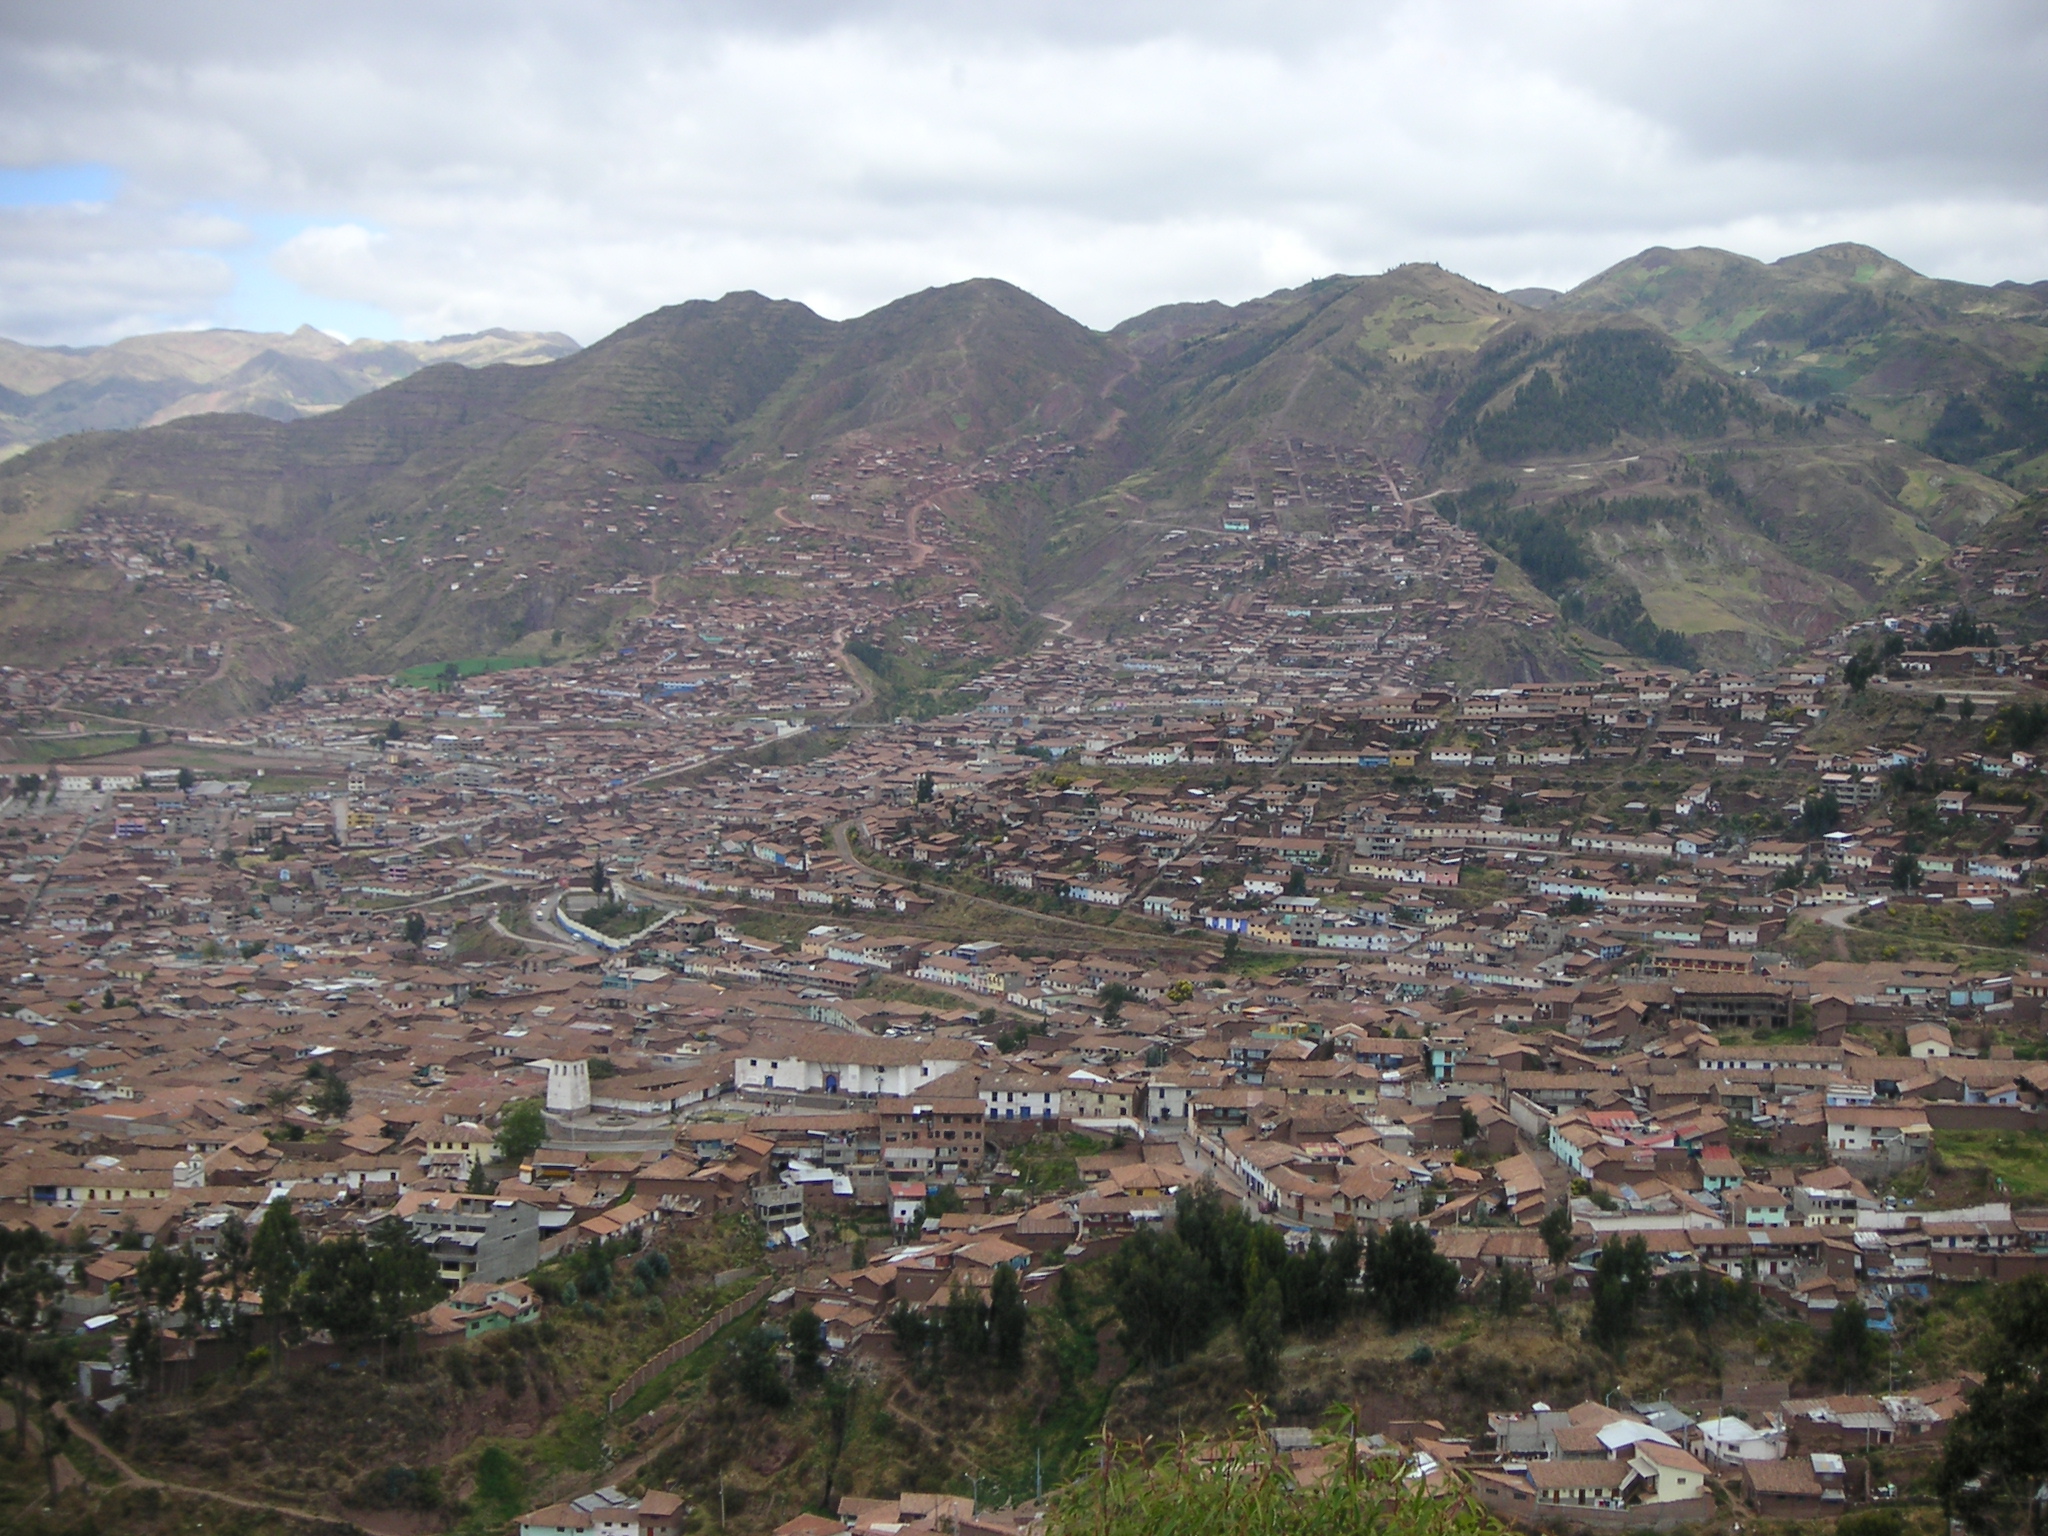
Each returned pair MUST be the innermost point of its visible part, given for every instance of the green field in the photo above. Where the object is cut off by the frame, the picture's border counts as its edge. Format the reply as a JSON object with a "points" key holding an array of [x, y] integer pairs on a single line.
{"points": [[2015, 1162], [57, 749], [428, 673]]}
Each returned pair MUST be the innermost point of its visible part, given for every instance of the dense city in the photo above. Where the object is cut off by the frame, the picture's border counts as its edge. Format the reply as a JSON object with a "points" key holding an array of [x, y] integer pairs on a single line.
{"points": [[411, 1012]]}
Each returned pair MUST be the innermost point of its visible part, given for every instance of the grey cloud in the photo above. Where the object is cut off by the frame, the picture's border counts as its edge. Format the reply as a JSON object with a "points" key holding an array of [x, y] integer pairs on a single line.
{"points": [[535, 165]]}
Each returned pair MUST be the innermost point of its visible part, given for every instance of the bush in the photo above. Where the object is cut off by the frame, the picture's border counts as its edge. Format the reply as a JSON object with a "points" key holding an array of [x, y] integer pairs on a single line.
{"points": [[398, 1487], [1871, 1522], [750, 1369], [1245, 1486]]}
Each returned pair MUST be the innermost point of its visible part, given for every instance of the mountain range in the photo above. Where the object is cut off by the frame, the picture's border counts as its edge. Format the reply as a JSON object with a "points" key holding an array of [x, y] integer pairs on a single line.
{"points": [[1694, 454], [143, 381]]}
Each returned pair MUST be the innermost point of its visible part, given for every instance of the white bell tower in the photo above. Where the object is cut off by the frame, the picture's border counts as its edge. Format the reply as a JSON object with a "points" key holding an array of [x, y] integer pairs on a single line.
{"points": [[568, 1087]]}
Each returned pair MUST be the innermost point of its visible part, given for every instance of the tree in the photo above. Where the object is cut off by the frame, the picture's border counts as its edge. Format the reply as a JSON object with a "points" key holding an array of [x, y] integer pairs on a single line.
{"points": [[522, 1129], [231, 1248], [965, 1323], [1406, 1280], [1112, 996], [1848, 1351], [1556, 1231], [1997, 1452], [1966, 708], [1007, 1318], [1258, 1334], [1820, 814], [1621, 1278], [912, 1331], [415, 929], [186, 778], [1162, 1293], [806, 1345], [1906, 873], [333, 1101], [748, 1368], [1229, 949], [338, 1291], [1508, 1289], [500, 1483], [276, 1256], [1180, 991], [599, 880]]}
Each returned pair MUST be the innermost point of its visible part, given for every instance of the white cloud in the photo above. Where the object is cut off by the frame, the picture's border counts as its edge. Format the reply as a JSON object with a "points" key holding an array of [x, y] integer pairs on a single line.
{"points": [[569, 168]]}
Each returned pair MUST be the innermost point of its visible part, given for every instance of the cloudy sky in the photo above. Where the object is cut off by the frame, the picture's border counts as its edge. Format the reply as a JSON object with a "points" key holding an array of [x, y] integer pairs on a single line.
{"points": [[421, 168]]}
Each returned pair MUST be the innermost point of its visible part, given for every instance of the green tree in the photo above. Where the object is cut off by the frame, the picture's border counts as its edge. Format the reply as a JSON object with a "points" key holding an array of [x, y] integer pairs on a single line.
{"points": [[1163, 1296], [965, 1322], [186, 778], [1509, 1288], [1258, 1334], [415, 929], [806, 1345], [29, 1351], [599, 880], [1906, 873], [912, 1331], [338, 1291], [1621, 1279], [1406, 1280], [1112, 996], [277, 1254], [500, 1483], [334, 1100], [408, 1280], [522, 1130], [748, 1369], [1996, 1457], [1848, 1351], [1008, 1320], [1556, 1231], [1820, 814]]}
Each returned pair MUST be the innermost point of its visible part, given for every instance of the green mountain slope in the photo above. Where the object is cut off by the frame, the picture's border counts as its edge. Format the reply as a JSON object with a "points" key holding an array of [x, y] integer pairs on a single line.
{"points": [[1955, 368], [1620, 444]]}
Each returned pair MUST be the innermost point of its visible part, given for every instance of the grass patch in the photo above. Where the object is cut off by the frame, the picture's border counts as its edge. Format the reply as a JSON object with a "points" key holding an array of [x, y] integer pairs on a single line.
{"points": [[58, 749], [2013, 1163], [1047, 1163], [427, 673]]}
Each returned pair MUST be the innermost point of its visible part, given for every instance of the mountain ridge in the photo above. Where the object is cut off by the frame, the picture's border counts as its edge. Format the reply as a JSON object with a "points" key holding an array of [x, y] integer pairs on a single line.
{"points": [[147, 380], [1706, 499]]}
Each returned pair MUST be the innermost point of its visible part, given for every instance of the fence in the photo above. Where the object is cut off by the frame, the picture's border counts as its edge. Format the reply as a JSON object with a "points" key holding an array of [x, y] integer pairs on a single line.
{"points": [[689, 1343]]}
